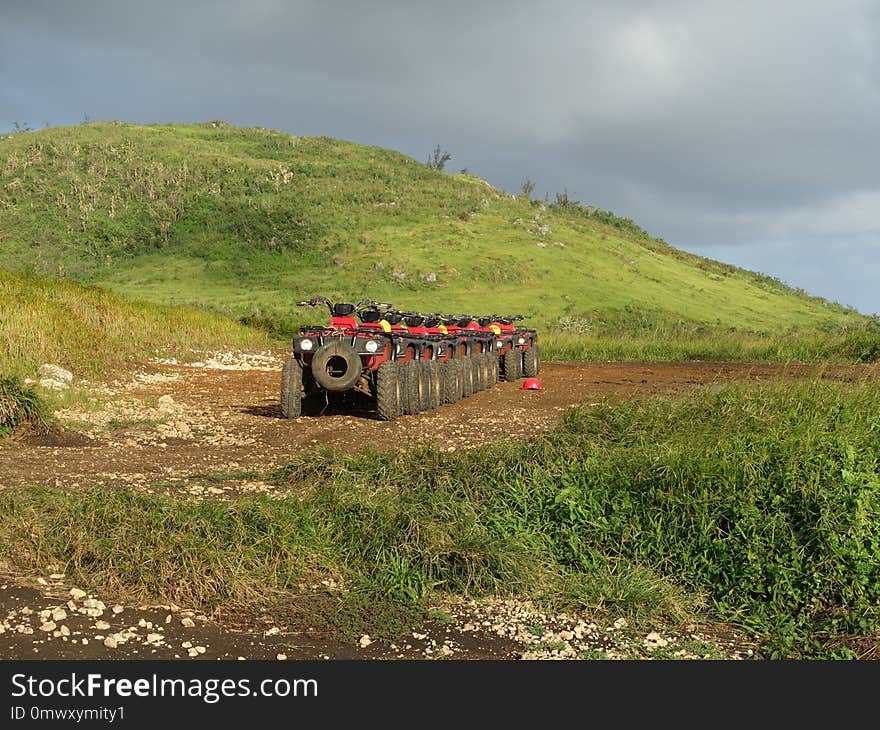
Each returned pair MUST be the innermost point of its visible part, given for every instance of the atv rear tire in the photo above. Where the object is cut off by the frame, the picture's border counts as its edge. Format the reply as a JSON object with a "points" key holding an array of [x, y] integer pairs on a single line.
{"points": [[413, 387], [466, 370], [487, 370], [291, 389], [451, 379], [474, 363], [493, 369], [531, 363], [389, 391], [513, 365], [425, 394], [435, 389]]}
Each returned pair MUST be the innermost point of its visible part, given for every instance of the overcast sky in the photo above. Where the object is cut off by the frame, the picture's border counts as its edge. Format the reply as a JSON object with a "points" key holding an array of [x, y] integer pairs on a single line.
{"points": [[742, 130]]}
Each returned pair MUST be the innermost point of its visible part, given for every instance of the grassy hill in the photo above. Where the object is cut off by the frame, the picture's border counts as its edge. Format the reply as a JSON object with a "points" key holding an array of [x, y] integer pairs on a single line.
{"points": [[247, 221], [92, 331]]}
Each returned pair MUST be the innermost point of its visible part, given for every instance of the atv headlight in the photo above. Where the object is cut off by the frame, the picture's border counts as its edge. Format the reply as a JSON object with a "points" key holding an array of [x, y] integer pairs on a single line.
{"points": [[521, 340], [306, 344], [371, 346], [499, 344]]}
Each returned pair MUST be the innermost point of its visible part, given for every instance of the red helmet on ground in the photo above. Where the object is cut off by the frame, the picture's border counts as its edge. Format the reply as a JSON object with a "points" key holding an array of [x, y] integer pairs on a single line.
{"points": [[531, 384]]}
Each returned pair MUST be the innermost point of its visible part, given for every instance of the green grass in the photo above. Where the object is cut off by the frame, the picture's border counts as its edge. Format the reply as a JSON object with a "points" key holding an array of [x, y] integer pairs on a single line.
{"points": [[20, 407], [756, 506], [856, 343], [91, 331], [248, 221]]}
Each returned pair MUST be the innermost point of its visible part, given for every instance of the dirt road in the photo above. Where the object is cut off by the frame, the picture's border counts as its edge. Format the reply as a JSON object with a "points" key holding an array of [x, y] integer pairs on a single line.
{"points": [[171, 421]]}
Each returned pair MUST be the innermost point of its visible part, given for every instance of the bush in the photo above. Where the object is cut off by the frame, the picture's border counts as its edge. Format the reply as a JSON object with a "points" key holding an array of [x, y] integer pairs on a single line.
{"points": [[20, 406]]}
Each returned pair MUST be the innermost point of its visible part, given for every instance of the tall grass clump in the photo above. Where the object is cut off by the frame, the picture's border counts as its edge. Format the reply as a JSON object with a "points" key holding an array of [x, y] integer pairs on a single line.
{"points": [[20, 406]]}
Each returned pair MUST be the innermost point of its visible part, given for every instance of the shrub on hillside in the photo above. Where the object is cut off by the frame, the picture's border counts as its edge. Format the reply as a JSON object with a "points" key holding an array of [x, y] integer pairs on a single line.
{"points": [[20, 405]]}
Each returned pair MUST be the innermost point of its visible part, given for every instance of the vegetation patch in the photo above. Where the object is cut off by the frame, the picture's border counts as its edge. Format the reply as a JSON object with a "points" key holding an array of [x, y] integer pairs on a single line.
{"points": [[20, 407], [650, 335], [757, 506], [92, 331]]}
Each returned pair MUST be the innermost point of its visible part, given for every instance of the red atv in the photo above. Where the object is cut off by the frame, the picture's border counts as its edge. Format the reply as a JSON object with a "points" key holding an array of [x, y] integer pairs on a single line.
{"points": [[516, 346], [345, 357]]}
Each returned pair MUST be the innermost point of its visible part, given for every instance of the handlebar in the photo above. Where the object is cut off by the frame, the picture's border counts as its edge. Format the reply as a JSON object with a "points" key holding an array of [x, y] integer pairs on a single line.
{"points": [[315, 301]]}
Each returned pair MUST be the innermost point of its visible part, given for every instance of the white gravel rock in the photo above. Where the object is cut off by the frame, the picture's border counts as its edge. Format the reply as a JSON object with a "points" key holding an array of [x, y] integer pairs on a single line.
{"points": [[654, 641], [55, 372]]}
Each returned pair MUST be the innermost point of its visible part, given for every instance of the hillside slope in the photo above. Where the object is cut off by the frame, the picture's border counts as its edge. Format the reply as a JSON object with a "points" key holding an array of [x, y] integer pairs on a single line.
{"points": [[93, 331], [247, 221]]}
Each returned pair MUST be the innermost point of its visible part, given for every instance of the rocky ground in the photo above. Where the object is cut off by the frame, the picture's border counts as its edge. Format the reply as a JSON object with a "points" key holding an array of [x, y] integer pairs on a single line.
{"points": [[170, 421], [46, 618]]}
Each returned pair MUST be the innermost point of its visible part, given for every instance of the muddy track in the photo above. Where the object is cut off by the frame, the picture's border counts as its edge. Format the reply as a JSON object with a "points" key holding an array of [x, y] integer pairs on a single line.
{"points": [[172, 421]]}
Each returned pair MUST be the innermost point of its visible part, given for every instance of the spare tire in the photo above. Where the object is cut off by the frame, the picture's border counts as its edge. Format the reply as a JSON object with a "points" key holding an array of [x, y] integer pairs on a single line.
{"points": [[336, 367]]}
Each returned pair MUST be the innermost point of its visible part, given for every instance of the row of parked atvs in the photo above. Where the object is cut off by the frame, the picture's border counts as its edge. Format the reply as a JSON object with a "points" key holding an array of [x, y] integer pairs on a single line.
{"points": [[406, 362]]}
